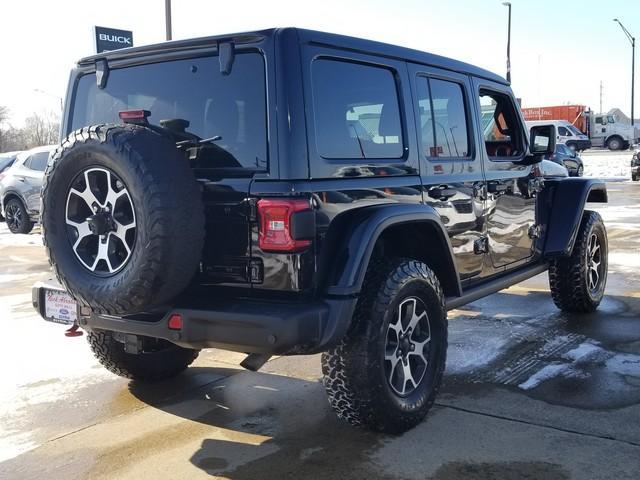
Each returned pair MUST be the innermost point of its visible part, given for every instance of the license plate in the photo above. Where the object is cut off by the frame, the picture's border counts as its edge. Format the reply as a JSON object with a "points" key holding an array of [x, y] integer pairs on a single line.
{"points": [[59, 307]]}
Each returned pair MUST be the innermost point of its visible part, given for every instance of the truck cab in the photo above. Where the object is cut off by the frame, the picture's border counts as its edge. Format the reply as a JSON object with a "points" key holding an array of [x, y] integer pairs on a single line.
{"points": [[606, 131]]}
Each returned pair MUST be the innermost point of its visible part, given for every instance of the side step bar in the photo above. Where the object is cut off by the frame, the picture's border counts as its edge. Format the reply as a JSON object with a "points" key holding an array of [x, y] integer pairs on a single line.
{"points": [[493, 286]]}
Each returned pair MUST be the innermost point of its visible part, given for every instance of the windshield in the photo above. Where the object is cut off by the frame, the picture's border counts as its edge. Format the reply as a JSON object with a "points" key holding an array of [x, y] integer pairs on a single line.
{"points": [[574, 130], [231, 106]]}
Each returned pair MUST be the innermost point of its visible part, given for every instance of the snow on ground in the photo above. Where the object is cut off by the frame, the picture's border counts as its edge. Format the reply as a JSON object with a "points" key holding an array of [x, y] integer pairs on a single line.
{"points": [[549, 371], [17, 239], [587, 353], [579, 361], [607, 165]]}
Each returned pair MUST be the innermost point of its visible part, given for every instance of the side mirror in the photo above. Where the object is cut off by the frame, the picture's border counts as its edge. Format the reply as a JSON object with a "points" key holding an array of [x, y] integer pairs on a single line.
{"points": [[542, 140]]}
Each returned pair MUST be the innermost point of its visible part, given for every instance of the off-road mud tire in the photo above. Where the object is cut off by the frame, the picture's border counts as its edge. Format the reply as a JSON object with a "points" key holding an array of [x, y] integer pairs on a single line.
{"points": [[568, 276], [354, 375], [168, 208]]}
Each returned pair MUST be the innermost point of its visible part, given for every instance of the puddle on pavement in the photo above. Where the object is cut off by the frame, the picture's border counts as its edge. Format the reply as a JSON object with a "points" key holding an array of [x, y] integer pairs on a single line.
{"points": [[588, 362]]}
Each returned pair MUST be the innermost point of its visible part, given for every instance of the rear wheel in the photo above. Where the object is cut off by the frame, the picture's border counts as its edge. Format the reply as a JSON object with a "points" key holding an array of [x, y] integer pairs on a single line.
{"points": [[158, 359], [578, 282], [386, 372], [634, 177], [17, 217]]}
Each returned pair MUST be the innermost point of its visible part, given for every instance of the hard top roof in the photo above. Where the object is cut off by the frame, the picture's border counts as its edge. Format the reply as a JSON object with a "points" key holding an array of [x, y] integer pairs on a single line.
{"points": [[305, 36]]}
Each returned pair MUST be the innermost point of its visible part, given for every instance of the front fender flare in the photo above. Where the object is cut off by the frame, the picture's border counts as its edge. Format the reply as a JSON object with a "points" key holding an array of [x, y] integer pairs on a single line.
{"points": [[357, 236], [568, 201]]}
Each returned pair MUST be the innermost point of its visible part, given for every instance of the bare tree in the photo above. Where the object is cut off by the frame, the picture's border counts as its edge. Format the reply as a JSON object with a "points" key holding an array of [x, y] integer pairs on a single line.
{"points": [[4, 116], [39, 129], [42, 129]]}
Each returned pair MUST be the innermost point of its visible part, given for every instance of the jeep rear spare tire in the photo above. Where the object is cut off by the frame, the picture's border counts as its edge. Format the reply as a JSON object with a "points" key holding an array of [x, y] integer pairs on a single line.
{"points": [[122, 218]]}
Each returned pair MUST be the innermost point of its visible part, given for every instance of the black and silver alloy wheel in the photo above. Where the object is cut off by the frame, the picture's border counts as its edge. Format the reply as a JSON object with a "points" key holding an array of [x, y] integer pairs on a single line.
{"points": [[407, 345], [14, 216], [594, 263], [17, 217], [101, 221]]}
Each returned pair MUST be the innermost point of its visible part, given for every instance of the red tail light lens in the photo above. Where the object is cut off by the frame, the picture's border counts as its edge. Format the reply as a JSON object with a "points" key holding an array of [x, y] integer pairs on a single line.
{"points": [[275, 216], [175, 322]]}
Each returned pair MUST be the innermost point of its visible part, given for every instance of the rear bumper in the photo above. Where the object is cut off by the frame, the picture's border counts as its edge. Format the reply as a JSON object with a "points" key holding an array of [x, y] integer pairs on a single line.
{"points": [[243, 326]]}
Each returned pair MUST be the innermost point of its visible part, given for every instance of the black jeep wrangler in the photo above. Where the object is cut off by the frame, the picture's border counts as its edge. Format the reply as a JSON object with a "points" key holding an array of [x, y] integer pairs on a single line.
{"points": [[289, 192]]}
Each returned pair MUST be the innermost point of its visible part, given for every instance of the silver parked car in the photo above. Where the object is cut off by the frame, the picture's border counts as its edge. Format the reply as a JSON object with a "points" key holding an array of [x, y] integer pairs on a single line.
{"points": [[20, 189]]}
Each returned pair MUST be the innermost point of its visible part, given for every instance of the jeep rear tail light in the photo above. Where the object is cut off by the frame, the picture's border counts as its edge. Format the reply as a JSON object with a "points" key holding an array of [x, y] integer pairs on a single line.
{"points": [[277, 217]]}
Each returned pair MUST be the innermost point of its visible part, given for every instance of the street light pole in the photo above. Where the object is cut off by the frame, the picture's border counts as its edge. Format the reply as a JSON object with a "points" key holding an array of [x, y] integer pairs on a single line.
{"points": [[51, 95], [633, 63], [167, 17], [508, 4]]}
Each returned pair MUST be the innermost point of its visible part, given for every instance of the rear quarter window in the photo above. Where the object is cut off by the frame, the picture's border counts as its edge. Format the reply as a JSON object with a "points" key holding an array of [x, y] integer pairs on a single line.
{"points": [[356, 111]]}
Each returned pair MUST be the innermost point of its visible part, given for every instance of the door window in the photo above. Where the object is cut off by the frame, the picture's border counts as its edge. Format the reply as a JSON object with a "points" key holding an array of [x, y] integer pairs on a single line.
{"points": [[501, 129], [443, 119], [563, 132], [357, 113]]}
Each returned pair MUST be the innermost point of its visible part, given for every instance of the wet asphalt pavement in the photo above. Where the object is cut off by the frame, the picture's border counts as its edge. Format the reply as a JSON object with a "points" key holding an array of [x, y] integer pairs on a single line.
{"points": [[529, 393]]}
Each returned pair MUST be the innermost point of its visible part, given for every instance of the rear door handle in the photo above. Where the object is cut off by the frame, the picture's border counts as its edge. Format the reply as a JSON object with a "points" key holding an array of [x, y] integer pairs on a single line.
{"points": [[495, 187]]}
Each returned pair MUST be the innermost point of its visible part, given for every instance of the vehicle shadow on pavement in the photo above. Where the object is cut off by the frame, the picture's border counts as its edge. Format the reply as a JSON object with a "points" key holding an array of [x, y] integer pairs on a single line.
{"points": [[274, 426], [266, 426]]}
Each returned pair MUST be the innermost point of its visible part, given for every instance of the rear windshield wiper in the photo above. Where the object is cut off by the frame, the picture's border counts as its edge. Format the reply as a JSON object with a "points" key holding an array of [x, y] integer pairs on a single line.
{"points": [[196, 143]]}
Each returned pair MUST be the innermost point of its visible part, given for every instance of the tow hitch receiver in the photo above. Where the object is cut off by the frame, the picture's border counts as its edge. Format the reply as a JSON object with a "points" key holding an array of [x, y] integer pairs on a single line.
{"points": [[73, 331]]}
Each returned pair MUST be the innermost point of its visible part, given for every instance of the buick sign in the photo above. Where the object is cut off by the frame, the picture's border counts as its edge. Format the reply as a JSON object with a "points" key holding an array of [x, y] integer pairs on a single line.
{"points": [[112, 39]]}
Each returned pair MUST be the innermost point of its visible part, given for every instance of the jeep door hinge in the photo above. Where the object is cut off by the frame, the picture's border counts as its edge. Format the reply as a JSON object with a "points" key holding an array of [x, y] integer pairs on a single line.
{"points": [[481, 246], [534, 231]]}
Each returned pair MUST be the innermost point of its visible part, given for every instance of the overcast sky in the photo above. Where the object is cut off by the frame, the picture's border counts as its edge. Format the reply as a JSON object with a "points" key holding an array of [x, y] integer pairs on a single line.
{"points": [[560, 50]]}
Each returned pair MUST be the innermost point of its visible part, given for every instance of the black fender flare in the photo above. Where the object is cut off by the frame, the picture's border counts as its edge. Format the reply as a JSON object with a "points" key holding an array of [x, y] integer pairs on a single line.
{"points": [[353, 240], [569, 198]]}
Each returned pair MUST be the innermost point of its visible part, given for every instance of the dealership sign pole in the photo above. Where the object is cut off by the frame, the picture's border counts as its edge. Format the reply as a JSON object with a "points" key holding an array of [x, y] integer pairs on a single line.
{"points": [[108, 39]]}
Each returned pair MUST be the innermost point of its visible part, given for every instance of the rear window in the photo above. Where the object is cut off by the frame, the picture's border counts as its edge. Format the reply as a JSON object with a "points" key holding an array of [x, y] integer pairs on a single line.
{"points": [[357, 114], [38, 161], [231, 106], [6, 162]]}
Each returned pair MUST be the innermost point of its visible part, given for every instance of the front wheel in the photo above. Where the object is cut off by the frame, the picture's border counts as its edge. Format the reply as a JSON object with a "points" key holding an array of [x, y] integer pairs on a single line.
{"points": [[577, 282], [615, 143], [17, 219], [387, 370], [157, 360]]}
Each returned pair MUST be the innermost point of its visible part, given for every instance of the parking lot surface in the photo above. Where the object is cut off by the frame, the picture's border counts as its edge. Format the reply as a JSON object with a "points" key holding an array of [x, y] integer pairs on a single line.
{"points": [[529, 392]]}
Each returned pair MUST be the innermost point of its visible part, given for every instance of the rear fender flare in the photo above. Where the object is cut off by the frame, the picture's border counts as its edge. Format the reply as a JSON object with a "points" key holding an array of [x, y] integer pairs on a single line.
{"points": [[353, 239]]}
